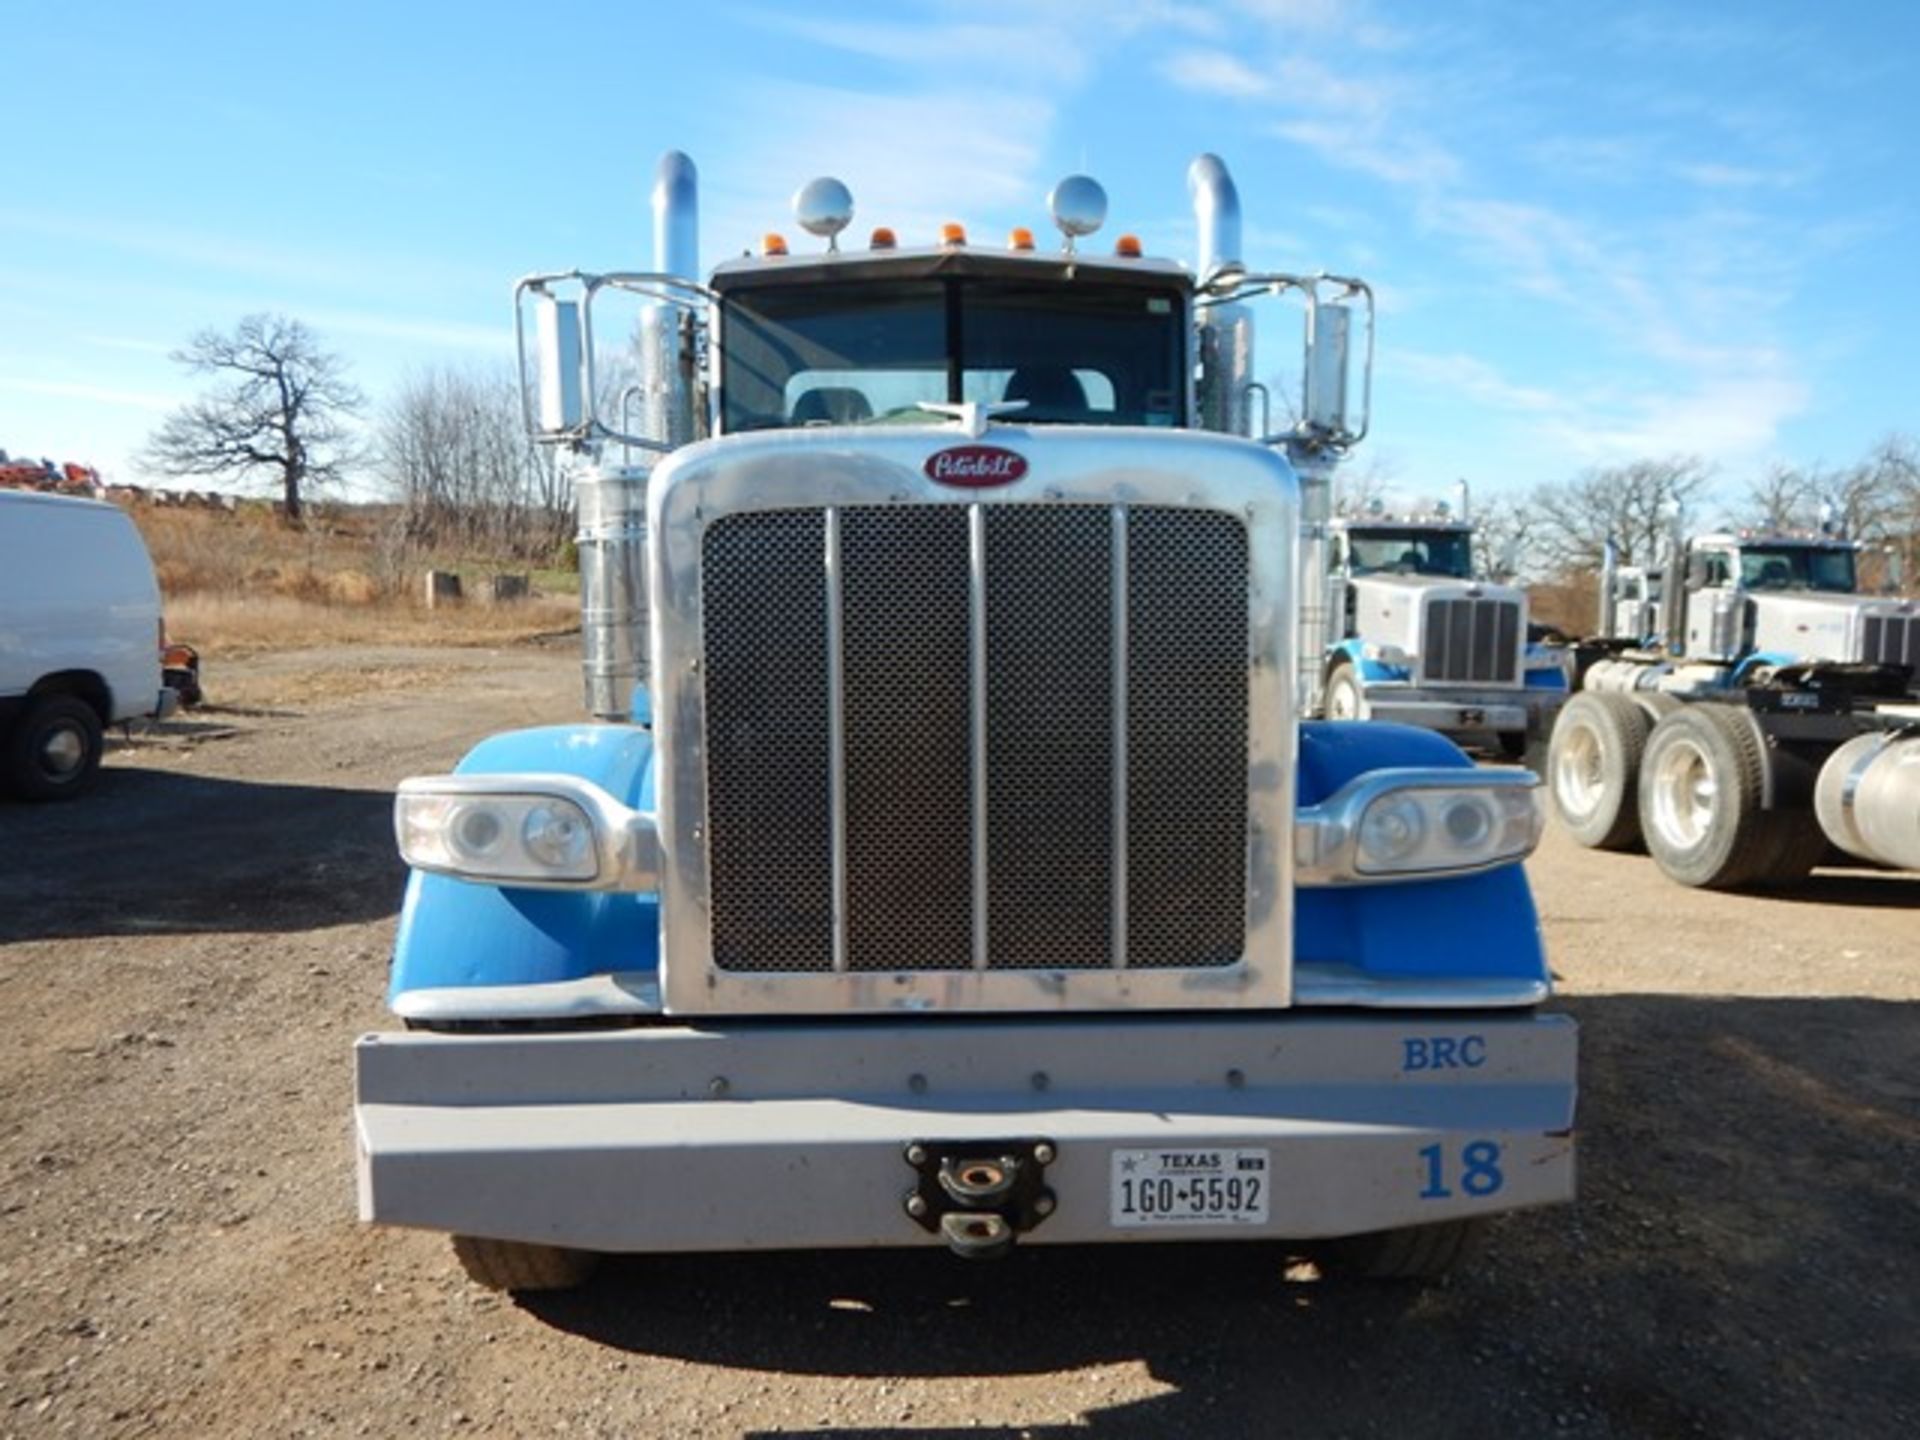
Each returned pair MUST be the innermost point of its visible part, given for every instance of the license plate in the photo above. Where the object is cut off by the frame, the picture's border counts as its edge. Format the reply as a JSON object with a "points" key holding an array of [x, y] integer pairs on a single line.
{"points": [[1190, 1187]]}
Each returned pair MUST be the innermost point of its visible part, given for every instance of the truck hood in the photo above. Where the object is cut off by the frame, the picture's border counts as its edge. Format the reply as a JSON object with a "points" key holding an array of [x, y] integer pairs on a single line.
{"points": [[1411, 589]]}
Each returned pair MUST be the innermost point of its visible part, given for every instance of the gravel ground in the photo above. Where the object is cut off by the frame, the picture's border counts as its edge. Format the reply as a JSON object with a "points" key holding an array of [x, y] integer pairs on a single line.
{"points": [[186, 957]]}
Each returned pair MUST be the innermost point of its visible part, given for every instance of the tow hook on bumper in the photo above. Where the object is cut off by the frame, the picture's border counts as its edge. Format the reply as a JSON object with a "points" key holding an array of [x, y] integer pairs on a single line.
{"points": [[979, 1195]]}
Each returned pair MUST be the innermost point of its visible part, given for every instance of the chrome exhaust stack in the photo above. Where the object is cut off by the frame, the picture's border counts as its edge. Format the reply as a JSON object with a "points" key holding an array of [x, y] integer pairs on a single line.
{"points": [[1224, 328], [612, 498]]}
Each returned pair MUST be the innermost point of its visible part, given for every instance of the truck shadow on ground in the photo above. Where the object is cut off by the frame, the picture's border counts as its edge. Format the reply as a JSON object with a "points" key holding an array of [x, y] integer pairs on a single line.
{"points": [[156, 852], [1750, 1186]]}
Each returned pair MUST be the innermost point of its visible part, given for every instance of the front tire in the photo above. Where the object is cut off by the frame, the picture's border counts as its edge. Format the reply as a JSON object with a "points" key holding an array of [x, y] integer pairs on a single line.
{"points": [[1345, 698], [1593, 769], [53, 751], [518, 1266], [1417, 1253]]}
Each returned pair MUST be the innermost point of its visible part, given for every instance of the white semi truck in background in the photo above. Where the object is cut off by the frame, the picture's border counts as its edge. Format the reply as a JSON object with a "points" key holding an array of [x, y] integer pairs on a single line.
{"points": [[1417, 637], [948, 863], [1748, 709]]}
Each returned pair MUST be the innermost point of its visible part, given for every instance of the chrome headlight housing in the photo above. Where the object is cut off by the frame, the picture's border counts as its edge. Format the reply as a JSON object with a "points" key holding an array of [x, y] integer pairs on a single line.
{"points": [[541, 831], [1418, 824]]}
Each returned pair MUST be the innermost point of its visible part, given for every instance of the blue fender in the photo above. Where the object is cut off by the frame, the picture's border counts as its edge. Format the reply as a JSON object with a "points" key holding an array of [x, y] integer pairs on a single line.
{"points": [[1545, 667], [1371, 672], [454, 933], [1775, 658], [1472, 926]]}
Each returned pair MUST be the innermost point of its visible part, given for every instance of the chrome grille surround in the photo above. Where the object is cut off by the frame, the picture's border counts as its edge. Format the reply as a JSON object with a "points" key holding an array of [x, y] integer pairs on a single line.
{"points": [[1471, 639], [885, 526]]}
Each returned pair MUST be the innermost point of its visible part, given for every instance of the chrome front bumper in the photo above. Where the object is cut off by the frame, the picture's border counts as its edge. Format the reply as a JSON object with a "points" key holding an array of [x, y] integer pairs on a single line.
{"points": [[778, 1136], [1464, 710]]}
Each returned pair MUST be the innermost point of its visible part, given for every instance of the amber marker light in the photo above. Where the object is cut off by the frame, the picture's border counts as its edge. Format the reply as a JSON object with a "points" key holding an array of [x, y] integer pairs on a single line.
{"points": [[953, 233], [882, 239], [1127, 247], [1020, 238], [772, 244]]}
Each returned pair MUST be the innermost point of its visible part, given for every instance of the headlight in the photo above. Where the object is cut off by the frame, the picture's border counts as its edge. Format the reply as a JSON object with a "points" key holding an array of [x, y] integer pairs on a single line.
{"points": [[1418, 824], [535, 830]]}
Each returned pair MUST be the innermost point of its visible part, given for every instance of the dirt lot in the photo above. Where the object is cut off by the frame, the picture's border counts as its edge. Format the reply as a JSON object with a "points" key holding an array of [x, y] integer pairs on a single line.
{"points": [[186, 957]]}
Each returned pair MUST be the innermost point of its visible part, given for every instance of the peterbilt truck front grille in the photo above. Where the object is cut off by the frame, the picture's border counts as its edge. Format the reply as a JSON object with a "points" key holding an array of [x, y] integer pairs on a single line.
{"points": [[960, 737], [1891, 640], [1472, 640]]}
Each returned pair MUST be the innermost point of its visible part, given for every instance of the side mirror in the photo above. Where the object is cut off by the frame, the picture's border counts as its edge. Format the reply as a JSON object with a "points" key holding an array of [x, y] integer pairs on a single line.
{"points": [[557, 354], [1696, 572], [1326, 370], [1508, 559], [1896, 572]]}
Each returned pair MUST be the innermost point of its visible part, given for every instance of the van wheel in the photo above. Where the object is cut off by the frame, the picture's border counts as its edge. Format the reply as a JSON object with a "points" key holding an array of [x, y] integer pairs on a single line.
{"points": [[53, 752], [1418, 1252], [516, 1265]]}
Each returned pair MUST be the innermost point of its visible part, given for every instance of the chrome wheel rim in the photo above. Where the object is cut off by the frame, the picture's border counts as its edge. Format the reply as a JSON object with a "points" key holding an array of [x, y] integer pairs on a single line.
{"points": [[1684, 791], [1579, 782], [1343, 700], [63, 752]]}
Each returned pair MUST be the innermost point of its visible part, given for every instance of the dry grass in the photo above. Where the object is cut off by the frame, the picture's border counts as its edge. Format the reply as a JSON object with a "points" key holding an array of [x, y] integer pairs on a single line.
{"points": [[230, 626], [243, 582]]}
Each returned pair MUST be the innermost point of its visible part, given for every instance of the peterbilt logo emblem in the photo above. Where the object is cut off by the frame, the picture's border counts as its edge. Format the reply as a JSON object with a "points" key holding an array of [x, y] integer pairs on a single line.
{"points": [[975, 466]]}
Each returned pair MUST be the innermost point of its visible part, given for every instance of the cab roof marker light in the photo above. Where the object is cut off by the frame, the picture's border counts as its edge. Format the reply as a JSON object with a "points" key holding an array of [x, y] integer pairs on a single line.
{"points": [[1127, 247], [1020, 238], [953, 233], [1396, 825], [773, 244], [882, 238], [536, 831]]}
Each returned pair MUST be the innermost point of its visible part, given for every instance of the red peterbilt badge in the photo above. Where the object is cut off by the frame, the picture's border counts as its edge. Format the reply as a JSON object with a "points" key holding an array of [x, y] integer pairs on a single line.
{"points": [[975, 466]]}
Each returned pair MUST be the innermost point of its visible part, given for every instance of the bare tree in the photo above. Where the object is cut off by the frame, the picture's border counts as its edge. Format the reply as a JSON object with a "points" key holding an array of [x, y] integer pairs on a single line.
{"points": [[279, 408], [453, 447], [1506, 539], [1632, 504]]}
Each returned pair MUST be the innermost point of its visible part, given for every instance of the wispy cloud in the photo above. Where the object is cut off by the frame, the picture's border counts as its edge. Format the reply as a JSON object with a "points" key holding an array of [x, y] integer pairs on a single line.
{"points": [[74, 390], [128, 343]]}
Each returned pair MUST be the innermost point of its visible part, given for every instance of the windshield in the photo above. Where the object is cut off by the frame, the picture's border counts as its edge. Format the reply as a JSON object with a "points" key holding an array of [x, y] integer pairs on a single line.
{"points": [[1411, 552], [868, 353], [1797, 567]]}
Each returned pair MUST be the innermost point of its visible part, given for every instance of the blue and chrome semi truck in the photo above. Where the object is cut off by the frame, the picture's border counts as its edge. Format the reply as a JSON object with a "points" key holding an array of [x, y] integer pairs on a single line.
{"points": [[948, 861], [1418, 637]]}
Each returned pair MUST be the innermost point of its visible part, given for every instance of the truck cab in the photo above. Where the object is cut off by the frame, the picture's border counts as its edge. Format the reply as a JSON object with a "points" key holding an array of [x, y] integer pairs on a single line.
{"points": [[1419, 639], [947, 861]]}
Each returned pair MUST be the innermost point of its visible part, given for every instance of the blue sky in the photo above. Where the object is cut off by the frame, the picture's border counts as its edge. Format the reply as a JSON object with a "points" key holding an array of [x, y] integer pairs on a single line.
{"points": [[1598, 231]]}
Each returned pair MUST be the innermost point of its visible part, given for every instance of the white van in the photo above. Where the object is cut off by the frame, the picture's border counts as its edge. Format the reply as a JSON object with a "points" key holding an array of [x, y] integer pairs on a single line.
{"points": [[80, 638]]}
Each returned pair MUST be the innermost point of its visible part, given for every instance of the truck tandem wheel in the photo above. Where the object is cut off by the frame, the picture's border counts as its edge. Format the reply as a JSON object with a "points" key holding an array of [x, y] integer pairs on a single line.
{"points": [[517, 1265], [1418, 1252], [1593, 769], [1701, 783]]}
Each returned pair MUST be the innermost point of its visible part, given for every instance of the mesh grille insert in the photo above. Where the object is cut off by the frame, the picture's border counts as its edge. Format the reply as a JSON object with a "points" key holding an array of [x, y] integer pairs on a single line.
{"points": [[1186, 738], [1049, 736], [907, 631], [770, 838], [904, 626]]}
